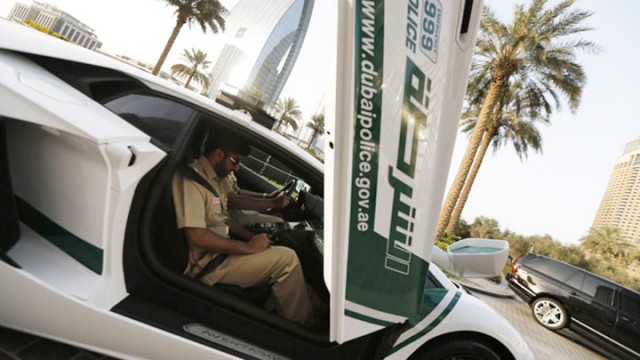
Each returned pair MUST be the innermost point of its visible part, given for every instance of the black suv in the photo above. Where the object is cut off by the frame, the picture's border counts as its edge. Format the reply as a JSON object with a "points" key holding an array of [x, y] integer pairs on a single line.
{"points": [[563, 295]]}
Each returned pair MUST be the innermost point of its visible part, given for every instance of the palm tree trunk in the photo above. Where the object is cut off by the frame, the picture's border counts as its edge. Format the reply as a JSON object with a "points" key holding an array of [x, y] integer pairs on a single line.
{"points": [[462, 200], [312, 140], [193, 73], [174, 35], [478, 132], [278, 124]]}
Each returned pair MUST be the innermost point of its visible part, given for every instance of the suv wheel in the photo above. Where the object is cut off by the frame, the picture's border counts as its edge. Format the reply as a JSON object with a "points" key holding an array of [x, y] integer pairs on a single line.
{"points": [[549, 313]]}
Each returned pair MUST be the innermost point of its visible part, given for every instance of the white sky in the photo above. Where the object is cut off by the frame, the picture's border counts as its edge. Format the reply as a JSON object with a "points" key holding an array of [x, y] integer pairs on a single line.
{"points": [[556, 192]]}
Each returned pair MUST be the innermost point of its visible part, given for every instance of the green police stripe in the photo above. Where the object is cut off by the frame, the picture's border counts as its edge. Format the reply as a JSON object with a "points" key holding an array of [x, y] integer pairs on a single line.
{"points": [[429, 327], [368, 319], [382, 271], [85, 253]]}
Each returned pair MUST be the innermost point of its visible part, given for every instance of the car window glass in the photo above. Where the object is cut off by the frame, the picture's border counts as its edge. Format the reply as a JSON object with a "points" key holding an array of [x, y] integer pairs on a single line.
{"points": [[160, 118], [269, 167], [598, 288], [576, 280], [432, 283], [629, 304], [555, 269]]}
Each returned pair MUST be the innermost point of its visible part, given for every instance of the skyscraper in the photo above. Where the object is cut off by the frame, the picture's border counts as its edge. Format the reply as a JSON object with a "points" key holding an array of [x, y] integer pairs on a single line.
{"points": [[620, 205], [57, 21], [265, 38]]}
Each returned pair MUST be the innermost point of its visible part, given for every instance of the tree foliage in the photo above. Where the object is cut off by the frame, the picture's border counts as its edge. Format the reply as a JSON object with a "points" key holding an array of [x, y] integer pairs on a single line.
{"points": [[317, 126], [484, 227], [608, 241], [511, 122], [194, 68], [529, 65], [209, 14], [602, 251], [290, 115]]}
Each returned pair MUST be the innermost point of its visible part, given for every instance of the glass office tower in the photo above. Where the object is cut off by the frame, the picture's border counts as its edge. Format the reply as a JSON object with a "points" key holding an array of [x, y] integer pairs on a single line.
{"points": [[264, 40]]}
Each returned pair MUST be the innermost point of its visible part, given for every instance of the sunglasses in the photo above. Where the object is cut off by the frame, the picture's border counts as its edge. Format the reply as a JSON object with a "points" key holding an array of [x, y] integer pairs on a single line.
{"points": [[234, 161]]}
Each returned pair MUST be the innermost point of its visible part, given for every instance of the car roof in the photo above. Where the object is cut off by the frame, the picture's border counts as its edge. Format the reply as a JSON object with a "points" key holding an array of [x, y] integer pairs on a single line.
{"points": [[533, 256], [23, 39]]}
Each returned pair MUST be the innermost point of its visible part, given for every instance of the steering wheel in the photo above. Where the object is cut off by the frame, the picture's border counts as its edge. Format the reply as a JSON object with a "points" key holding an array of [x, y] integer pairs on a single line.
{"points": [[288, 188], [291, 212]]}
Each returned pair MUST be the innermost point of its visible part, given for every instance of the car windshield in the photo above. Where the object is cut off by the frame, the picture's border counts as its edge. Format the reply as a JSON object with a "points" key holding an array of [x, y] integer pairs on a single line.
{"points": [[158, 117]]}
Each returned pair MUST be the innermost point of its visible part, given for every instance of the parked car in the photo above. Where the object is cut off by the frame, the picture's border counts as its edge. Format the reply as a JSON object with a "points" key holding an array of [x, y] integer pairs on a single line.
{"points": [[562, 295], [89, 252]]}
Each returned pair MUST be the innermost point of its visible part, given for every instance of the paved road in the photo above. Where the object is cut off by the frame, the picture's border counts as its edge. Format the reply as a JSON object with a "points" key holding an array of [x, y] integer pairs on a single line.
{"points": [[545, 344]]}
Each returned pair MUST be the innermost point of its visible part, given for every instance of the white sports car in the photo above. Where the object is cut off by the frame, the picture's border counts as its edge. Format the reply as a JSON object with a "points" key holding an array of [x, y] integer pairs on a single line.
{"points": [[90, 254]]}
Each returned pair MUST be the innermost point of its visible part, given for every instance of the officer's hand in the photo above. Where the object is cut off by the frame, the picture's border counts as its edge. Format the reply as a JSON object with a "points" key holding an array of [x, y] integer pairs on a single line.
{"points": [[259, 243], [281, 201], [274, 194]]}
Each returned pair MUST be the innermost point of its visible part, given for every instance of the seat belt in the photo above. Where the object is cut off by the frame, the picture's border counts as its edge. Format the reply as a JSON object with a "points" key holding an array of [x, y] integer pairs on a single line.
{"points": [[190, 173]]}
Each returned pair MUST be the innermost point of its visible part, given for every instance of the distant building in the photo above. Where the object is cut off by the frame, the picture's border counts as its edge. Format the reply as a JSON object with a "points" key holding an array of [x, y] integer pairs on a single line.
{"points": [[264, 40], [57, 21], [620, 205]]}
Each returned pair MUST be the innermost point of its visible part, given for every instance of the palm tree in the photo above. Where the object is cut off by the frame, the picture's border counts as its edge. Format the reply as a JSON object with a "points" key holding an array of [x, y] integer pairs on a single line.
{"points": [[534, 52], [511, 122], [317, 126], [196, 61], [290, 113], [606, 240], [484, 227], [207, 13]]}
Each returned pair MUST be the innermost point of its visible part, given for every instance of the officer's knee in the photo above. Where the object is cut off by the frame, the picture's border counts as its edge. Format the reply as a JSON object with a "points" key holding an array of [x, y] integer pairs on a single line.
{"points": [[285, 252], [285, 255]]}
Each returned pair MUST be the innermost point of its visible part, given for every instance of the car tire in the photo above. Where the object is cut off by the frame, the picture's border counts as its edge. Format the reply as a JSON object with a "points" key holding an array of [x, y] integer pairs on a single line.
{"points": [[549, 313], [452, 349]]}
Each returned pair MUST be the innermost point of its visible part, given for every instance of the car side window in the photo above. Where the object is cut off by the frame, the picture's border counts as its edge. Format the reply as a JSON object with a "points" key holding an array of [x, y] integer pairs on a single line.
{"points": [[629, 303], [269, 167], [576, 280], [160, 118], [554, 269], [598, 289]]}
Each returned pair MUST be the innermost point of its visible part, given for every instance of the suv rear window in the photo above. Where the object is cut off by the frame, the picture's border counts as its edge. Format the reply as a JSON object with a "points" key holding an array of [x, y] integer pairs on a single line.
{"points": [[576, 280], [601, 290], [557, 270]]}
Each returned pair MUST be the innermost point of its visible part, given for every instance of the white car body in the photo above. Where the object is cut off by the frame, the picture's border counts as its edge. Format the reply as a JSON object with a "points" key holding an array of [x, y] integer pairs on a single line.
{"points": [[75, 273]]}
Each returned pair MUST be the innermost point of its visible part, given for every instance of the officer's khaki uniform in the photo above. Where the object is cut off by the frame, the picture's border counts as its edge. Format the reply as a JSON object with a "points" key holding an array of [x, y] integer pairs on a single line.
{"points": [[197, 207], [247, 217]]}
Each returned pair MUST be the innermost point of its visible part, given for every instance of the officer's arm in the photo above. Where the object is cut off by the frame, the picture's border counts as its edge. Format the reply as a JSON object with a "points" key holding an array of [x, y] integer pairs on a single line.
{"points": [[212, 242]]}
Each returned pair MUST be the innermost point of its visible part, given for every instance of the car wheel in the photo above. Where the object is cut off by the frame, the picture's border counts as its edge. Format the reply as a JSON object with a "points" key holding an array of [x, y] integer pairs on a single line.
{"points": [[458, 349], [549, 313]]}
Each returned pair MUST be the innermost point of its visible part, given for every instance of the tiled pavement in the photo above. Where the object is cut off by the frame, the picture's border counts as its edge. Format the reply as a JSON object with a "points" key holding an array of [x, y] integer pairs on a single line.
{"points": [[546, 344]]}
